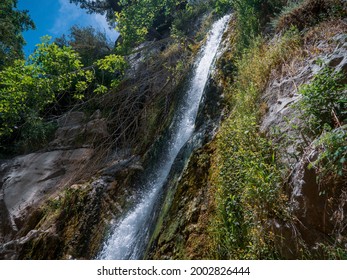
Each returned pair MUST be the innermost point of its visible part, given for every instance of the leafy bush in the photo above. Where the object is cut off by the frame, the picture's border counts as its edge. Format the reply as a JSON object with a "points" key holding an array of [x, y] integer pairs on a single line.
{"points": [[89, 43], [28, 88], [324, 100], [324, 107], [138, 18], [222, 6], [184, 24], [332, 158]]}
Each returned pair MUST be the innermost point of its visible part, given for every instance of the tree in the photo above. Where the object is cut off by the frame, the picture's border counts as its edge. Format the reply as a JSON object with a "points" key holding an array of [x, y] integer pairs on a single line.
{"points": [[138, 19], [51, 73], [108, 7], [12, 23], [27, 87], [88, 42]]}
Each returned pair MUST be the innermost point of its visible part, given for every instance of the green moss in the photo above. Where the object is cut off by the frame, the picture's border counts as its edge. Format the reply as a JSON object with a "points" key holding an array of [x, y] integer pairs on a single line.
{"points": [[181, 232], [74, 217]]}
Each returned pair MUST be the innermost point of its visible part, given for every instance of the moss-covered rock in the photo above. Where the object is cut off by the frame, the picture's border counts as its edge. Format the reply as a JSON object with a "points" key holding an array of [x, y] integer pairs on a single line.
{"points": [[182, 231]]}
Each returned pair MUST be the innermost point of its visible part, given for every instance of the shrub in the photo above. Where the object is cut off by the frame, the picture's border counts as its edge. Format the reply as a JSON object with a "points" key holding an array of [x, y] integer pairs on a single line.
{"points": [[35, 133], [29, 86], [29, 89], [332, 158], [324, 100], [185, 22], [222, 6], [324, 107], [138, 19]]}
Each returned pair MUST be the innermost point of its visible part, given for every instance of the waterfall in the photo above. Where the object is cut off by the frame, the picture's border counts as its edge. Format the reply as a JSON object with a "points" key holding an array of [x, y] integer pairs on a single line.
{"points": [[131, 233]]}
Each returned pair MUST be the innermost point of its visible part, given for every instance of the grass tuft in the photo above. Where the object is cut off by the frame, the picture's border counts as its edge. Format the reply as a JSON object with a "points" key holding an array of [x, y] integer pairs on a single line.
{"points": [[246, 175]]}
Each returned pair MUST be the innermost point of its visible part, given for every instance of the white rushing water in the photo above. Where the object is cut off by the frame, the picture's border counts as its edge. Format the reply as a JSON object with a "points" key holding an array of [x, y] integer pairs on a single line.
{"points": [[131, 233]]}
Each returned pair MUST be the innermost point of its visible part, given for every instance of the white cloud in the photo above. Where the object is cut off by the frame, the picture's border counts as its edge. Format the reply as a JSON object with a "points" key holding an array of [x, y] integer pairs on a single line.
{"points": [[67, 15], [70, 14]]}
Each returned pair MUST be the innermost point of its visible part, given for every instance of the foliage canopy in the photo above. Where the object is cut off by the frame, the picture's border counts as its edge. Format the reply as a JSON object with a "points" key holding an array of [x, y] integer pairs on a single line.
{"points": [[12, 23], [50, 73], [88, 42], [108, 7]]}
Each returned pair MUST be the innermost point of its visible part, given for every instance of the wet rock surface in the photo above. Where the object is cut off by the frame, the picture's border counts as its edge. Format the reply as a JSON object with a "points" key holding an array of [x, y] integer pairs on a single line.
{"points": [[43, 214], [183, 220], [182, 231], [30, 179], [72, 223]]}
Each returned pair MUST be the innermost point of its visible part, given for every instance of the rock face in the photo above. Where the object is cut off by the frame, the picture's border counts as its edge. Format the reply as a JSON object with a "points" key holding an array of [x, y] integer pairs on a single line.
{"points": [[282, 118], [182, 232], [319, 208], [28, 180], [26, 183], [184, 219], [44, 215], [75, 130]]}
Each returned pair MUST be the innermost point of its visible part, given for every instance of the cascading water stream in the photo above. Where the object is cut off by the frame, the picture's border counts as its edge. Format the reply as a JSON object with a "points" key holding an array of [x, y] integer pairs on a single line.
{"points": [[131, 234]]}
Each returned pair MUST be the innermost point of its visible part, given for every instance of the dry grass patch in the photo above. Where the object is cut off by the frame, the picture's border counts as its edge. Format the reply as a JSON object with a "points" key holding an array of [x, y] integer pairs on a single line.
{"points": [[309, 12]]}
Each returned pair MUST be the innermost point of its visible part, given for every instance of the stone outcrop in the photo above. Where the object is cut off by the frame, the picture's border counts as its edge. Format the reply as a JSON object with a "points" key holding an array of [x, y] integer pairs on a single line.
{"points": [[75, 130], [182, 231], [43, 213], [319, 208], [31, 178]]}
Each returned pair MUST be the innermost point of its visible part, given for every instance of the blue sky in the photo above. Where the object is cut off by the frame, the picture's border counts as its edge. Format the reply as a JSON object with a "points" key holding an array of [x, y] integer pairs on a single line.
{"points": [[55, 17]]}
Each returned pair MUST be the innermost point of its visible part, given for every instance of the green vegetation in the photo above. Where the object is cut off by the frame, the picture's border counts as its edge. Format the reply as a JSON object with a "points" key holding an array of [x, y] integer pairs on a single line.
{"points": [[249, 181], [89, 43], [324, 100], [74, 68], [332, 158], [324, 108], [108, 7], [12, 23], [137, 19], [51, 74], [252, 17], [247, 177], [27, 87], [222, 6], [255, 16], [184, 22], [306, 13]]}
